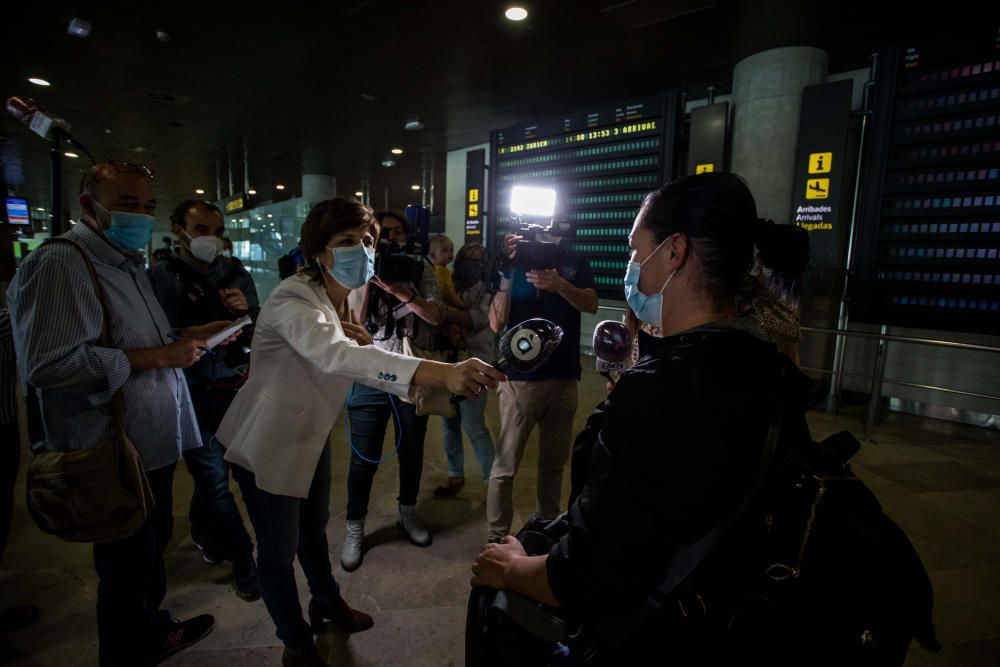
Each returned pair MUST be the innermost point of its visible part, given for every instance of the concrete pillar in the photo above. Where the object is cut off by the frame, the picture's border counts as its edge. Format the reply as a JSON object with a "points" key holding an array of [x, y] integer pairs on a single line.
{"points": [[767, 97], [318, 187]]}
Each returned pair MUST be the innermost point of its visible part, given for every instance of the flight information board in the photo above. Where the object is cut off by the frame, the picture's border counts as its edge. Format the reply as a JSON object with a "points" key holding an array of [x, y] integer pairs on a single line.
{"points": [[928, 249], [601, 162]]}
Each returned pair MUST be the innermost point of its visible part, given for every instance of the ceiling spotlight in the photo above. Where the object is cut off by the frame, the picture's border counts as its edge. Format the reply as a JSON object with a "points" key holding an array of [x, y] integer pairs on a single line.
{"points": [[368, 97], [279, 186], [359, 194], [388, 163], [516, 13], [251, 192], [199, 191], [69, 154], [39, 208], [162, 36], [107, 130], [269, 215], [414, 187], [413, 125], [397, 151], [79, 28], [38, 82]]}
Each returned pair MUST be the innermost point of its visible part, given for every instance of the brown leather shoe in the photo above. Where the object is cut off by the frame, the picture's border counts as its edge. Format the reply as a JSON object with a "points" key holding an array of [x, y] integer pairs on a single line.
{"points": [[451, 488], [347, 619]]}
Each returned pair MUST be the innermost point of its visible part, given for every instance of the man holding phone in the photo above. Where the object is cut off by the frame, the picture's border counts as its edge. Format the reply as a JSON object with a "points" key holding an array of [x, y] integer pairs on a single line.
{"points": [[196, 285]]}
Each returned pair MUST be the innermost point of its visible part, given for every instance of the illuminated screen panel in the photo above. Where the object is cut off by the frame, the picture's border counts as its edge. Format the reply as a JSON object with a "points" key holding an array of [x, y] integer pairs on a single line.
{"points": [[930, 245], [601, 162]]}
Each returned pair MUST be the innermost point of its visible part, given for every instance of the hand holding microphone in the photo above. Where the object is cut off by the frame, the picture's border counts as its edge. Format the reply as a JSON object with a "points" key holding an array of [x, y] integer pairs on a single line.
{"points": [[525, 347]]}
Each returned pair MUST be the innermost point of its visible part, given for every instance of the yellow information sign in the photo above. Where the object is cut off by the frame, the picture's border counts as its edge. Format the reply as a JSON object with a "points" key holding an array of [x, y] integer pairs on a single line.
{"points": [[817, 188], [473, 210], [704, 168], [819, 163], [474, 195]]}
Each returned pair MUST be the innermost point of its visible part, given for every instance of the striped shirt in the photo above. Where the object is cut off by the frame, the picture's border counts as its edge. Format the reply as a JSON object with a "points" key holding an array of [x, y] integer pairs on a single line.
{"points": [[57, 325], [8, 374]]}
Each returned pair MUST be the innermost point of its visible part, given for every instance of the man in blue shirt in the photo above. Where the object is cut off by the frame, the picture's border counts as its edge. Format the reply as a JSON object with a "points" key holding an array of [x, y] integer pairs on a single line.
{"points": [[548, 396], [195, 285], [57, 320]]}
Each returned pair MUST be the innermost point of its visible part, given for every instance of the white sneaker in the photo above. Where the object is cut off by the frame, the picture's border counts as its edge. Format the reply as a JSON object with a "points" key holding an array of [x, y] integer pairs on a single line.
{"points": [[411, 527], [350, 554]]}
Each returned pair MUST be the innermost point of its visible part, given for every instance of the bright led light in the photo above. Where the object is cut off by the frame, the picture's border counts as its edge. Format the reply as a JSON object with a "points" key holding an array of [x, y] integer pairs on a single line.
{"points": [[397, 151], [535, 202], [516, 13], [359, 194], [69, 154], [39, 208], [38, 82], [414, 187], [269, 215], [199, 191], [279, 187], [251, 192]]}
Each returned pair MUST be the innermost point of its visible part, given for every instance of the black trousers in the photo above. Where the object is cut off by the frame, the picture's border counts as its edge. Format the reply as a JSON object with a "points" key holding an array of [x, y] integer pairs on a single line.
{"points": [[10, 461], [133, 581]]}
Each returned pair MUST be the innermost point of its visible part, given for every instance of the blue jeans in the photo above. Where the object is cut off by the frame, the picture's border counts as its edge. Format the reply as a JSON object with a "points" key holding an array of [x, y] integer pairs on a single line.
{"points": [[286, 526], [370, 411], [216, 523], [133, 581], [471, 415]]}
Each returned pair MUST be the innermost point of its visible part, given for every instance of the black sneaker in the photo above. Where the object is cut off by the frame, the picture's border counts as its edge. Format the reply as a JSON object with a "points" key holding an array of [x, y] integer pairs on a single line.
{"points": [[178, 635], [245, 579], [206, 555]]}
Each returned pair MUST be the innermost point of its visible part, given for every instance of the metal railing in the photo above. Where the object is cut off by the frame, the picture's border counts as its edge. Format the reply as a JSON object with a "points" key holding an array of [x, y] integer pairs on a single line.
{"points": [[878, 379]]}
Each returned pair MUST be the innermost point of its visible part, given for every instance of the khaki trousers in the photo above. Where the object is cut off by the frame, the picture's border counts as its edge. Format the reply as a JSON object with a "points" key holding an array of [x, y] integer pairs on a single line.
{"points": [[552, 405]]}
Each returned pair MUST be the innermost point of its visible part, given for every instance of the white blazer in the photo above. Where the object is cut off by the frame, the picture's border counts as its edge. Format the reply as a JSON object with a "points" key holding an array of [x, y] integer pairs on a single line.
{"points": [[301, 369]]}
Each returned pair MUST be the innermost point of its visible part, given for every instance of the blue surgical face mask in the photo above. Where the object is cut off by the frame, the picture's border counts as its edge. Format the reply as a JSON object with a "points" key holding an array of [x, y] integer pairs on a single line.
{"points": [[354, 266], [128, 231], [648, 309]]}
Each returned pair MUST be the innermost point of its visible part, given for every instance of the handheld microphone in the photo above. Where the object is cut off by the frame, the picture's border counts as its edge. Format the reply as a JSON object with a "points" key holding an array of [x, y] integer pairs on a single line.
{"points": [[612, 347], [32, 114], [525, 347]]}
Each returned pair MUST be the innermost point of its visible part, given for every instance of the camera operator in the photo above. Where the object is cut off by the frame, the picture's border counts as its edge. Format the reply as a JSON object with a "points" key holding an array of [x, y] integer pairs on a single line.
{"points": [[394, 310], [548, 396]]}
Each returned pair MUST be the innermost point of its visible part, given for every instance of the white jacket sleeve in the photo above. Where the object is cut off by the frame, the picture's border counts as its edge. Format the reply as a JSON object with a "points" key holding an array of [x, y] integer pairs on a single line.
{"points": [[323, 344]]}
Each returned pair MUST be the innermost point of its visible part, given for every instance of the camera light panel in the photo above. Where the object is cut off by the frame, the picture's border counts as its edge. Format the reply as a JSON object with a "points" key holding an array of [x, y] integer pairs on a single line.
{"points": [[533, 202]]}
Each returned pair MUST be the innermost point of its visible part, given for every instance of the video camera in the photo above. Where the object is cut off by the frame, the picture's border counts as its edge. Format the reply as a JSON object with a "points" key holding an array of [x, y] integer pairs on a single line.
{"points": [[399, 264], [531, 213]]}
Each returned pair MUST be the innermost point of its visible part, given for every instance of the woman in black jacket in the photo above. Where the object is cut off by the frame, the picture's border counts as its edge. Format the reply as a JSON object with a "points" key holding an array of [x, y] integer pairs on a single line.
{"points": [[680, 443]]}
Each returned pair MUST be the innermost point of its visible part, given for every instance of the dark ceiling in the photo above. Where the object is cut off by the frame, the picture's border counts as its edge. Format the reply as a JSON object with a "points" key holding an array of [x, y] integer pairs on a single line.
{"points": [[326, 88]]}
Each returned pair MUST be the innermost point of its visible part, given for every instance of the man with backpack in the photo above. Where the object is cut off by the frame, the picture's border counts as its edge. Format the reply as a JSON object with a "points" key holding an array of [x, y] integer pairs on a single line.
{"points": [[197, 284]]}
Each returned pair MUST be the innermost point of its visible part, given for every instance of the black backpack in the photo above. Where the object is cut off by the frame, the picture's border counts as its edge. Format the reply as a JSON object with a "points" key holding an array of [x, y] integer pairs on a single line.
{"points": [[811, 571]]}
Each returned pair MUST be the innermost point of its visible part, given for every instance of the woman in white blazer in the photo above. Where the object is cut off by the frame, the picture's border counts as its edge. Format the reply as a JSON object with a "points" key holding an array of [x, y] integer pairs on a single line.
{"points": [[307, 352]]}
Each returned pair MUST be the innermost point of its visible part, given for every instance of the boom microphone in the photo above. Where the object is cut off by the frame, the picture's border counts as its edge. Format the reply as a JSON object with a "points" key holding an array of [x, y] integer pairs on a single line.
{"points": [[612, 347], [525, 347], [34, 115]]}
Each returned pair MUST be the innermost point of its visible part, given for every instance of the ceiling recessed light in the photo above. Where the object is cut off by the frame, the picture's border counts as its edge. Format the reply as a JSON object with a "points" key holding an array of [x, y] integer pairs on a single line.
{"points": [[269, 215], [251, 192], [38, 82], [413, 125], [79, 28], [414, 187], [388, 163], [397, 151], [279, 187], [199, 191], [359, 194], [516, 13], [368, 97], [162, 36], [107, 130], [69, 154], [39, 208]]}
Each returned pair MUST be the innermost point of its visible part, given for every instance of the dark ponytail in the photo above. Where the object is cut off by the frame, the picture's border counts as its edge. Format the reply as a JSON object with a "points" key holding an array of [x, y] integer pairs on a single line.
{"points": [[784, 251]]}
